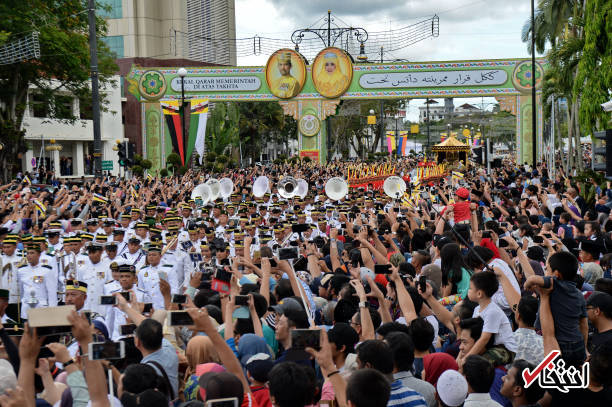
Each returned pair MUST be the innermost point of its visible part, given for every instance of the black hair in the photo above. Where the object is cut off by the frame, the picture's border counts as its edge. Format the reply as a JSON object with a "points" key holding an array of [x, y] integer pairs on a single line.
{"points": [[565, 263], [603, 301], [150, 334], [283, 289], [604, 285], [368, 388], [206, 296], [244, 326], [422, 334], [388, 327], [452, 265], [601, 365], [297, 318], [403, 350], [485, 281], [472, 259], [344, 311], [534, 392], [528, 309], [140, 377], [289, 385], [479, 373], [406, 268], [474, 325], [378, 354], [215, 313], [417, 300], [374, 316]]}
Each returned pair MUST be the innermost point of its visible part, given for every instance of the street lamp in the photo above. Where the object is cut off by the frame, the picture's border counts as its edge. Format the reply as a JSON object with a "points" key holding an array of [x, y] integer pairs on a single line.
{"points": [[182, 72], [372, 122], [53, 147]]}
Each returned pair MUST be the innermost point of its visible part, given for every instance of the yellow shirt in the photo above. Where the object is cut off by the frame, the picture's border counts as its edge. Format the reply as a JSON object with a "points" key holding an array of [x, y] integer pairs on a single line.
{"points": [[287, 87]]}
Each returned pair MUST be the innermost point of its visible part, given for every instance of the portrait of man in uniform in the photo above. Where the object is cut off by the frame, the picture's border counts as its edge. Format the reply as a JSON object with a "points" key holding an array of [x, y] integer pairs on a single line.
{"points": [[285, 73]]}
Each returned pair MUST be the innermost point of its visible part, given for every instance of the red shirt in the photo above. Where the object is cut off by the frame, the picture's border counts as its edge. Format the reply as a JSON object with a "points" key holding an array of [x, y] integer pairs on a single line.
{"points": [[261, 396], [461, 211]]}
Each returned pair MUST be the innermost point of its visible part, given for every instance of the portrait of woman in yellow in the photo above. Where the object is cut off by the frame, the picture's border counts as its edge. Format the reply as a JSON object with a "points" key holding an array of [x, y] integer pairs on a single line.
{"points": [[328, 76]]}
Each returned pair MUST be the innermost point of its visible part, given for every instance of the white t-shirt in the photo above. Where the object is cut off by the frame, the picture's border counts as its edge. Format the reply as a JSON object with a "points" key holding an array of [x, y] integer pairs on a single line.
{"points": [[499, 298], [497, 323]]}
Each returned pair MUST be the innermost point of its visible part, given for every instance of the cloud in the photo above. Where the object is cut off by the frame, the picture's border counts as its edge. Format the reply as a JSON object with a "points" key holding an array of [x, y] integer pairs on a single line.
{"points": [[469, 29], [376, 10]]}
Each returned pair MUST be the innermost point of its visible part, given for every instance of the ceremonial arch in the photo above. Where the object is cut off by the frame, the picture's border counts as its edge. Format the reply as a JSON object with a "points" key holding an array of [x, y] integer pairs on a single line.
{"points": [[311, 93]]}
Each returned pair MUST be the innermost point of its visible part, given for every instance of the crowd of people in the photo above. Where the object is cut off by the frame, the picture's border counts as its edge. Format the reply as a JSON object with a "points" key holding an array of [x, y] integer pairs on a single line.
{"points": [[487, 289]]}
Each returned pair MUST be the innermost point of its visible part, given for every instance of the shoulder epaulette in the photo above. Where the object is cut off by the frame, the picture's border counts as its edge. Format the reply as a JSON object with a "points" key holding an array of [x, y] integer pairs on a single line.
{"points": [[22, 266], [47, 266], [144, 267]]}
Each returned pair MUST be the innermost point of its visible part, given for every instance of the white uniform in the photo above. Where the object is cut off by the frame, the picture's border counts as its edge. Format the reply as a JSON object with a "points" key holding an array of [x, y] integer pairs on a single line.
{"points": [[132, 258], [115, 317], [148, 280], [37, 282], [10, 264], [96, 276]]}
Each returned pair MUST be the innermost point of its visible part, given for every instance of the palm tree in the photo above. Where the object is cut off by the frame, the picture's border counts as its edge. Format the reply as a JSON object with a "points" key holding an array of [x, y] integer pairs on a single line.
{"points": [[559, 24]]}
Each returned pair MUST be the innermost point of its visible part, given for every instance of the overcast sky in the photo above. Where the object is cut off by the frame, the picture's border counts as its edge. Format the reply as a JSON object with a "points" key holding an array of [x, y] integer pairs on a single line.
{"points": [[469, 29]]}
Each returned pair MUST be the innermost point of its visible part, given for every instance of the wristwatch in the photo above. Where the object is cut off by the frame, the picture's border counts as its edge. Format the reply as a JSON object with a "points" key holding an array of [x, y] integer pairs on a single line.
{"points": [[363, 304], [68, 363]]}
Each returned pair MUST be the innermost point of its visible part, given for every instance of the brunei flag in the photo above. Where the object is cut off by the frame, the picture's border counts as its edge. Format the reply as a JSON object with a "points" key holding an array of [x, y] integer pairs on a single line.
{"points": [[198, 118], [40, 207], [171, 111], [457, 175], [133, 192], [149, 177], [100, 198], [27, 180]]}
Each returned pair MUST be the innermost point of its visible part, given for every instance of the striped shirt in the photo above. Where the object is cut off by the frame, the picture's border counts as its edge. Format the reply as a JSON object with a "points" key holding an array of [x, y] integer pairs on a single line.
{"points": [[404, 396]]}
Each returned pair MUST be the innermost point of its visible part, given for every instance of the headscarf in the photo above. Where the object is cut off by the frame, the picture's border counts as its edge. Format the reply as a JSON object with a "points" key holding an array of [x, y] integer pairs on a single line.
{"points": [[249, 345], [200, 350], [436, 363]]}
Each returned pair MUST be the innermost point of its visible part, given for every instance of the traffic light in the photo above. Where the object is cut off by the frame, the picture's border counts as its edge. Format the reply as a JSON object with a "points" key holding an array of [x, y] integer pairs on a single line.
{"points": [[130, 154], [122, 154], [602, 152]]}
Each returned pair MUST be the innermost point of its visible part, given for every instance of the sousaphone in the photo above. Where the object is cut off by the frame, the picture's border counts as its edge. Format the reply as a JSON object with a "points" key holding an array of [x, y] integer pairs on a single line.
{"points": [[261, 186], [227, 187], [302, 189], [287, 187], [336, 188], [215, 188], [394, 187], [203, 192]]}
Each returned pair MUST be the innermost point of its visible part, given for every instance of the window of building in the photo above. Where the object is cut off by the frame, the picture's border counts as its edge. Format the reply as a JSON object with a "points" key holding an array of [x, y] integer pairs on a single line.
{"points": [[85, 109], [115, 43], [38, 105], [64, 107], [110, 9]]}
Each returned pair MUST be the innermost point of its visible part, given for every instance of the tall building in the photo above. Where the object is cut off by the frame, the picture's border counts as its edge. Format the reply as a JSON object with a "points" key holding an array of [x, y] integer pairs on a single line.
{"points": [[166, 33], [211, 30], [175, 29]]}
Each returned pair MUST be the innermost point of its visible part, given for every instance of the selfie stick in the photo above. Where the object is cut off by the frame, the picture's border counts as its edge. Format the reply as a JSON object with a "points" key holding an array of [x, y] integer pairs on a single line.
{"points": [[461, 239]]}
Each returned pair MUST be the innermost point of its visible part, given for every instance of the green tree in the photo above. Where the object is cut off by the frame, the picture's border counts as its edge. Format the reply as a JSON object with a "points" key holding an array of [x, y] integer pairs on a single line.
{"points": [[594, 72], [64, 57], [222, 128], [257, 121]]}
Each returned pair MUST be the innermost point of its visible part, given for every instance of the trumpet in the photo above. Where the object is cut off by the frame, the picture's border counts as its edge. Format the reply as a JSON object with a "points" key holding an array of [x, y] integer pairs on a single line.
{"points": [[169, 244]]}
